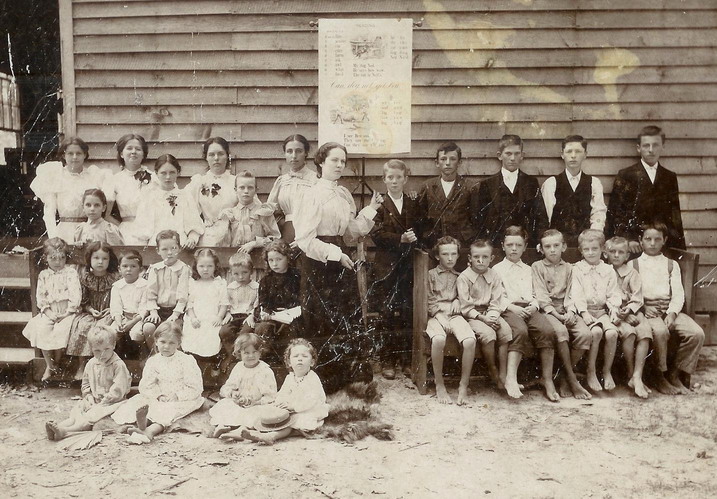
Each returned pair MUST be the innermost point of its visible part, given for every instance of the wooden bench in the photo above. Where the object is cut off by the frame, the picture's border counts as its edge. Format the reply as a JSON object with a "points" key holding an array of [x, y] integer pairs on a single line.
{"points": [[422, 263]]}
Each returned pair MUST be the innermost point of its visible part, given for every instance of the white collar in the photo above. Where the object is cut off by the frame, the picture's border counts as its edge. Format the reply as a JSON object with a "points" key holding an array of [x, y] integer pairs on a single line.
{"points": [[235, 285], [571, 176], [176, 266], [140, 283], [648, 167], [395, 200], [507, 174]]}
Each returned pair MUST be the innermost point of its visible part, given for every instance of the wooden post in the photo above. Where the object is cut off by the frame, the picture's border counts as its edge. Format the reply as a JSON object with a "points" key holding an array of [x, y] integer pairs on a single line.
{"points": [[67, 45], [362, 280]]}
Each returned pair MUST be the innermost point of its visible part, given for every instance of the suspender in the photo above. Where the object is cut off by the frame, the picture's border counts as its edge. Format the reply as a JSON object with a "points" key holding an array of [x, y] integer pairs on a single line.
{"points": [[670, 265]]}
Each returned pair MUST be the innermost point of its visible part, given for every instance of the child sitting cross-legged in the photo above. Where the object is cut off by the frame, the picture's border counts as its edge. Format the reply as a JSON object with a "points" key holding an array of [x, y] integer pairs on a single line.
{"points": [[250, 385], [480, 291], [664, 298], [530, 327], [631, 325], [105, 384], [444, 311], [551, 283], [170, 388], [596, 296], [301, 402]]}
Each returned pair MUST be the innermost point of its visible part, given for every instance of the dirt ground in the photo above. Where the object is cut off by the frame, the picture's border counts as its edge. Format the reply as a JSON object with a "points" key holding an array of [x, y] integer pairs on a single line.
{"points": [[612, 446]]}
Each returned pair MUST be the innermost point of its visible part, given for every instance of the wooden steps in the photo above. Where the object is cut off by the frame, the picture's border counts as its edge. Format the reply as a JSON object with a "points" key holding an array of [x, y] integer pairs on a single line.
{"points": [[14, 282], [14, 318], [16, 356]]}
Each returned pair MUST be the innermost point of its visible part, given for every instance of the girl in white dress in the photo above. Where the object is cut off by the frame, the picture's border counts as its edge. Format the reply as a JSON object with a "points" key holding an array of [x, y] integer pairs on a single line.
{"points": [[289, 188], [96, 228], [250, 385], [206, 306], [302, 394], [127, 187], [169, 208], [60, 185], [214, 192], [170, 388], [58, 298]]}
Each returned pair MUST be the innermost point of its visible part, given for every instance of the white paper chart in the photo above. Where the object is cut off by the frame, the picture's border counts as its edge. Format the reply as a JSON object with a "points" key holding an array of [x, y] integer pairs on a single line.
{"points": [[365, 84]]}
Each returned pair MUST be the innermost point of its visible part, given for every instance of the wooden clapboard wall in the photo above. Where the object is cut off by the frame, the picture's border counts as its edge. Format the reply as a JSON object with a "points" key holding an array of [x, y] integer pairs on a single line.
{"points": [[179, 71]]}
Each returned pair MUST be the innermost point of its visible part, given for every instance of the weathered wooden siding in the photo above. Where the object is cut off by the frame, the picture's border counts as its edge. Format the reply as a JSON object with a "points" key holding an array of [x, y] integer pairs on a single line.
{"points": [[178, 71]]}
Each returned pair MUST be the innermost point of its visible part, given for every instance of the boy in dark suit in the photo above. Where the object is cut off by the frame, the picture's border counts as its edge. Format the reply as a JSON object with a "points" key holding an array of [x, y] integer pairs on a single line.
{"points": [[646, 192], [394, 236], [574, 200], [444, 201], [510, 197]]}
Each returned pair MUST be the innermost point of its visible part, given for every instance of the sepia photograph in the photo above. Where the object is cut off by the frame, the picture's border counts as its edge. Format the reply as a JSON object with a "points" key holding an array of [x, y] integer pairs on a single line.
{"points": [[339, 249]]}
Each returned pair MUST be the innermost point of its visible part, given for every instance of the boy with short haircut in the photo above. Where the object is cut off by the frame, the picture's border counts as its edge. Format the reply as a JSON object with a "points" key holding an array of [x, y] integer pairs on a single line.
{"points": [[252, 223], [167, 285], [631, 325], [445, 317], [664, 299], [243, 292], [127, 298], [595, 295], [480, 292], [574, 200], [551, 283], [646, 192], [510, 197], [394, 235], [444, 202], [530, 327]]}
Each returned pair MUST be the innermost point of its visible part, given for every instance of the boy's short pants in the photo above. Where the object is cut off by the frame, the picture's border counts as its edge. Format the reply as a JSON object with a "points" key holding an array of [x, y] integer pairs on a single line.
{"points": [[536, 332], [486, 334], [457, 326], [603, 319], [135, 333], [579, 333], [642, 331], [230, 331]]}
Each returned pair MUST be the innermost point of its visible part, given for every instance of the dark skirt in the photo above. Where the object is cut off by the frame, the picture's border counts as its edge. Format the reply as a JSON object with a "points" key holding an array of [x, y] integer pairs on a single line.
{"points": [[333, 323]]}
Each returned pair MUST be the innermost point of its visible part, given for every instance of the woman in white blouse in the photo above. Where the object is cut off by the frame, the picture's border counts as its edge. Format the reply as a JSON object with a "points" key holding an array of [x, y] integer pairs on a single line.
{"points": [[289, 188], [127, 187], [61, 184], [326, 222], [214, 192]]}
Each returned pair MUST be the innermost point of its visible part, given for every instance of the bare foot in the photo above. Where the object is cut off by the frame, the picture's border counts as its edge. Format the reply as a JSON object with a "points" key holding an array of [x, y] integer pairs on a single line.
{"points": [[513, 390], [564, 388], [608, 381], [442, 395], [47, 374], [665, 387], [50, 427], [80, 372], [230, 434], [640, 389], [594, 383], [462, 394], [579, 392], [550, 391], [141, 416], [256, 436], [674, 379], [220, 430]]}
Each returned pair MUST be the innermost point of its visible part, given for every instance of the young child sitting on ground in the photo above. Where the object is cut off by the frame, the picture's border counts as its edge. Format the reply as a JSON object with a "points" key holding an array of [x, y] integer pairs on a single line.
{"points": [[250, 385], [632, 325], [444, 312], [301, 396], [551, 283], [480, 292], [105, 384], [167, 286], [595, 295], [664, 298], [170, 389], [243, 293], [530, 327]]}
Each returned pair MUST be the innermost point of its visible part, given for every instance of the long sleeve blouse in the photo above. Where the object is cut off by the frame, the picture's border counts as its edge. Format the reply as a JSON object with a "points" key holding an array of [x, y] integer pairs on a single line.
{"points": [[175, 210], [328, 209], [213, 193], [54, 286], [595, 287], [109, 381], [178, 375], [289, 190]]}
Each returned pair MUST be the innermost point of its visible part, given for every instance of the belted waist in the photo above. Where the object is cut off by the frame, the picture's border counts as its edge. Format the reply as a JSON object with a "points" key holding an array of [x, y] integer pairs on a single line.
{"points": [[337, 240], [73, 219], [661, 305]]}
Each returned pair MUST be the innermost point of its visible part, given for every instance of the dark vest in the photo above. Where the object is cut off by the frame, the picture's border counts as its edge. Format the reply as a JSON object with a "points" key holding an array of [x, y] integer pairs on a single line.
{"points": [[571, 214]]}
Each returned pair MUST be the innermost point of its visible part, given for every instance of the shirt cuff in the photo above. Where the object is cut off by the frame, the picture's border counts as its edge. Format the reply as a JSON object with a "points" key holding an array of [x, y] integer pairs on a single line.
{"points": [[368, 212], [334, 253]]}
